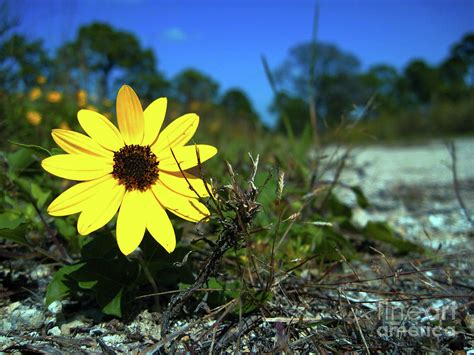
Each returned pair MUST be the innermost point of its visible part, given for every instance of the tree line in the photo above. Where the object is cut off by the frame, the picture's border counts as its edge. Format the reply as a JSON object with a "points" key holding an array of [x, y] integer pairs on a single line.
{"points": [[408, 99], [100, 58]]}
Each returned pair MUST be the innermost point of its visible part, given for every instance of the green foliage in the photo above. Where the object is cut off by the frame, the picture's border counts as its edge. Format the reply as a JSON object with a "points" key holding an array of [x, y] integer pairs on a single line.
{"points": [[463, 51], [238, 105], [21, 62], [383, 232], [100, 50], [293, 114], [193, 86], [113, 279], [58, 288], [13, 230], [362, 200], [422, 81]]}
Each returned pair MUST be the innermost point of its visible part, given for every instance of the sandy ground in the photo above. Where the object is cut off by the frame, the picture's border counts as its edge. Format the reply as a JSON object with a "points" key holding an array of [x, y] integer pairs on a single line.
{"points": [[423, 164], [412, 187]]}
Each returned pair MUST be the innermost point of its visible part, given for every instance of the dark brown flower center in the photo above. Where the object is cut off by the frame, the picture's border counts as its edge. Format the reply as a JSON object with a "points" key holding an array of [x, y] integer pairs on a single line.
{"points": [[136, 167]]}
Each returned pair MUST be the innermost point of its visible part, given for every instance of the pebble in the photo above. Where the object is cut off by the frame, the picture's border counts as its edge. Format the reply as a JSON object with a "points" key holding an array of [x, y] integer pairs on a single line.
{"points": [[55, 331], [145, 325], [55, 308], [41, 272], [114, 339], [360, 218], [19, 317], [437, 221], [68, 327]]}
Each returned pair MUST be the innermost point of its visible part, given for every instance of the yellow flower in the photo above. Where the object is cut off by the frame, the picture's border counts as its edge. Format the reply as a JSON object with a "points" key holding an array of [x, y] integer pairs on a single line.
{"points": [[34, 118], [64, 125], [81, 98], [41, 80], [35, 93], [107, 103], [91, 108], [195, 105], [134, 168], [54, 97]]}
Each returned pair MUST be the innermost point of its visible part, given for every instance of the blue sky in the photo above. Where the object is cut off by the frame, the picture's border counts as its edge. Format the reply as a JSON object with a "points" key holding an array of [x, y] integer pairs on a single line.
{"points": [[225, 38]]}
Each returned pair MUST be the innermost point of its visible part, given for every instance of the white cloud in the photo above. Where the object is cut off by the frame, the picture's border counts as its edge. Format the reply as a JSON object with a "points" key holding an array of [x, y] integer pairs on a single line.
{"points": [[175, 34]]}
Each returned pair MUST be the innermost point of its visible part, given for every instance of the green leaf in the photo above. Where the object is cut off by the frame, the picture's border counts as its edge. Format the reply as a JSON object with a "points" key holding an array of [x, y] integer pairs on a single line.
{"points": [[214, 284], [362, 200], [381, 231], [18, 234], [332, 244], [64, 228], [114, 307], [59, 287], [253, 301], [10, 220], [39, 195], [56, 151], [19, 160], [337, 208], [106, 273], [87, 284], [35, 148]]}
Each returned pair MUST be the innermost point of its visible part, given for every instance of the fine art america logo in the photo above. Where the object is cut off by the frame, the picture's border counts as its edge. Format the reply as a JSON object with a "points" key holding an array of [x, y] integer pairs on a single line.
{"points": [[415, 321]]}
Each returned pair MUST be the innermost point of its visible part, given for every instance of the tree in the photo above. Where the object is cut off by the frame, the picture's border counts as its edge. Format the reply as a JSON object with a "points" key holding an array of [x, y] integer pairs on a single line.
{"points": [[145, 79], [321, 59], [21, 62], [452, 72], [321, 73], [236, 102], [382, 81], [292, 111], [191, 85], [464, 52], [102, 52], [422, 81]]}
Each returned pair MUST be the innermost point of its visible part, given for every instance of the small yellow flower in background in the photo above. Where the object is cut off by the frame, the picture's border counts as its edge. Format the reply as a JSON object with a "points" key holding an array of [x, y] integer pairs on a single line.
{"points": [[35, 94], [195, 105], [215, 126], [135, 170], [91, 108], [34, 118], [41, 80], [81, 98], [107, 103], [64, 125], [108, 115], [54, 96]]}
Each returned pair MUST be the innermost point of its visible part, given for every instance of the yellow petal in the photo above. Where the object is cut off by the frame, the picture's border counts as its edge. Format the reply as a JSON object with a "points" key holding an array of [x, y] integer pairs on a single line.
{"points": [[79, 167], [177, 183], [187, 208], [100, 129], [74, 199], [159, 224], [77, 143], [131, 222], [186, 157], [130, 115], [154, 116], [177, 133], [101, 208]]}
